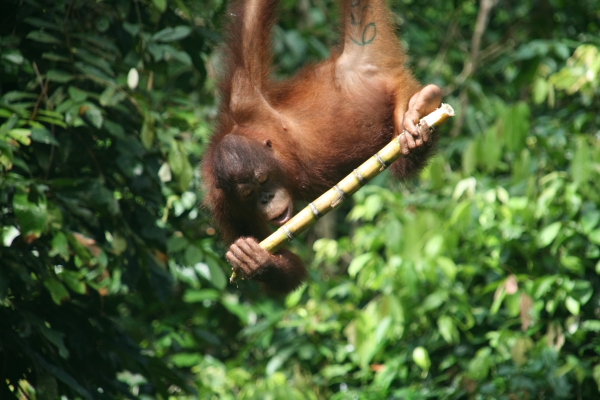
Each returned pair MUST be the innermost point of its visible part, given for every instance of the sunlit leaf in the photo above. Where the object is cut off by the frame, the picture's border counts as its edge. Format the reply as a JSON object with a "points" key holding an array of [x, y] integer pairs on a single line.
{"points": [[164, 173], [186, 359], [572, 305], [596, 375], [448, 329], [21, 135], [359, 263], [133, 78], [589, 220], [421, 358], [74, 281], [548, 234], [594, 236], [32, 216], [198, 296]]}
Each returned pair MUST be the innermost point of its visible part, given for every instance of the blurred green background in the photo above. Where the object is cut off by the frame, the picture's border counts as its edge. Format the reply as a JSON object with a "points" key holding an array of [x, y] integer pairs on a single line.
{"points": [[478, 280]]}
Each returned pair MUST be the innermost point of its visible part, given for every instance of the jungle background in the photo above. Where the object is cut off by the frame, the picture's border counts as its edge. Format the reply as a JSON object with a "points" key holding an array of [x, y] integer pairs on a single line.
{"points": [[478, 280]]}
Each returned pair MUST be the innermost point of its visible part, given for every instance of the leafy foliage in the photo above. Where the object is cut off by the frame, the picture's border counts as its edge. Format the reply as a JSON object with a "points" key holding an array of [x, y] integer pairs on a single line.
{"points": [[478, 281]]}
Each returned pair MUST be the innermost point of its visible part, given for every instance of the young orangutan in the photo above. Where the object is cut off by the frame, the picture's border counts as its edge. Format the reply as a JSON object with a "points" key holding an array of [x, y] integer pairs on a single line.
{"points": [[282, 141]]}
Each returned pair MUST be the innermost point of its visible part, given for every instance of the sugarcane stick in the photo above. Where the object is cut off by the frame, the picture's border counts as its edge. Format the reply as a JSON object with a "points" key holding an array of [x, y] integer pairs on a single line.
{"points": [[345, 188]]}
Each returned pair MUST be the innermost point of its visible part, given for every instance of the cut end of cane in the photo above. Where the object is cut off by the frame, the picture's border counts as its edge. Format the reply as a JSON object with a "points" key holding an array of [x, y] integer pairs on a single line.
{"points": [[439, 116]]}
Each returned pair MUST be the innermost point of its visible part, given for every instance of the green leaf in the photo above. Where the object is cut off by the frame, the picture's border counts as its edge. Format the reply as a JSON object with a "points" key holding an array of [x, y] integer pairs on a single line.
{"points": [[186, 359], [294, 298], [32, 217], [498, 299], [544, 284], [41, 23], [181, 56], [435, 300], [581, 165], [94, 73], [55, 57], [335, 370], [186, 175], [60, 246], [572, 263], [77, 94], [421, 357], [520, 350], [359, 263], [51, 121], [540, 90], [161, 5], [448, 329], [572, 305], [178, 243], [59, 76], [111, 97], [594, 236], [596, 375], [74, 281], [43, 135], [434, 246], [589, 220], [217, 276], [43, 37], [21, 135], [172, 34], [479, 366], [14, 56], [119, 242], [148, 132], [448, 267], [58, 292], [278, 360], [94, 115], [56, 338], [516, 126], [548, 234], [175, 158], [469, 158], [193, 255], [8, 234], [592, 325], [58, 372], [93, 59], [9, 124], [198, 296], [6, 159]]}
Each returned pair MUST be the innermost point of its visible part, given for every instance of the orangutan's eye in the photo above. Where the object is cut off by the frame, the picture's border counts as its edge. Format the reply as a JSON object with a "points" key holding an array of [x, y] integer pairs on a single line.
{"points": [[245, 193], [262, 178]]}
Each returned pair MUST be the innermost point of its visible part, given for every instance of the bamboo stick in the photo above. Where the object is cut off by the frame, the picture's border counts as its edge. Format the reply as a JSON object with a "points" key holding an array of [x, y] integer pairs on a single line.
{"points": [[345, 188]]}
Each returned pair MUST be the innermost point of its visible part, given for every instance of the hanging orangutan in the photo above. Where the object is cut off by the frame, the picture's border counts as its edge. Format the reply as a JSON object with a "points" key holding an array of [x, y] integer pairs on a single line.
{"points": [[278, 142]]}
